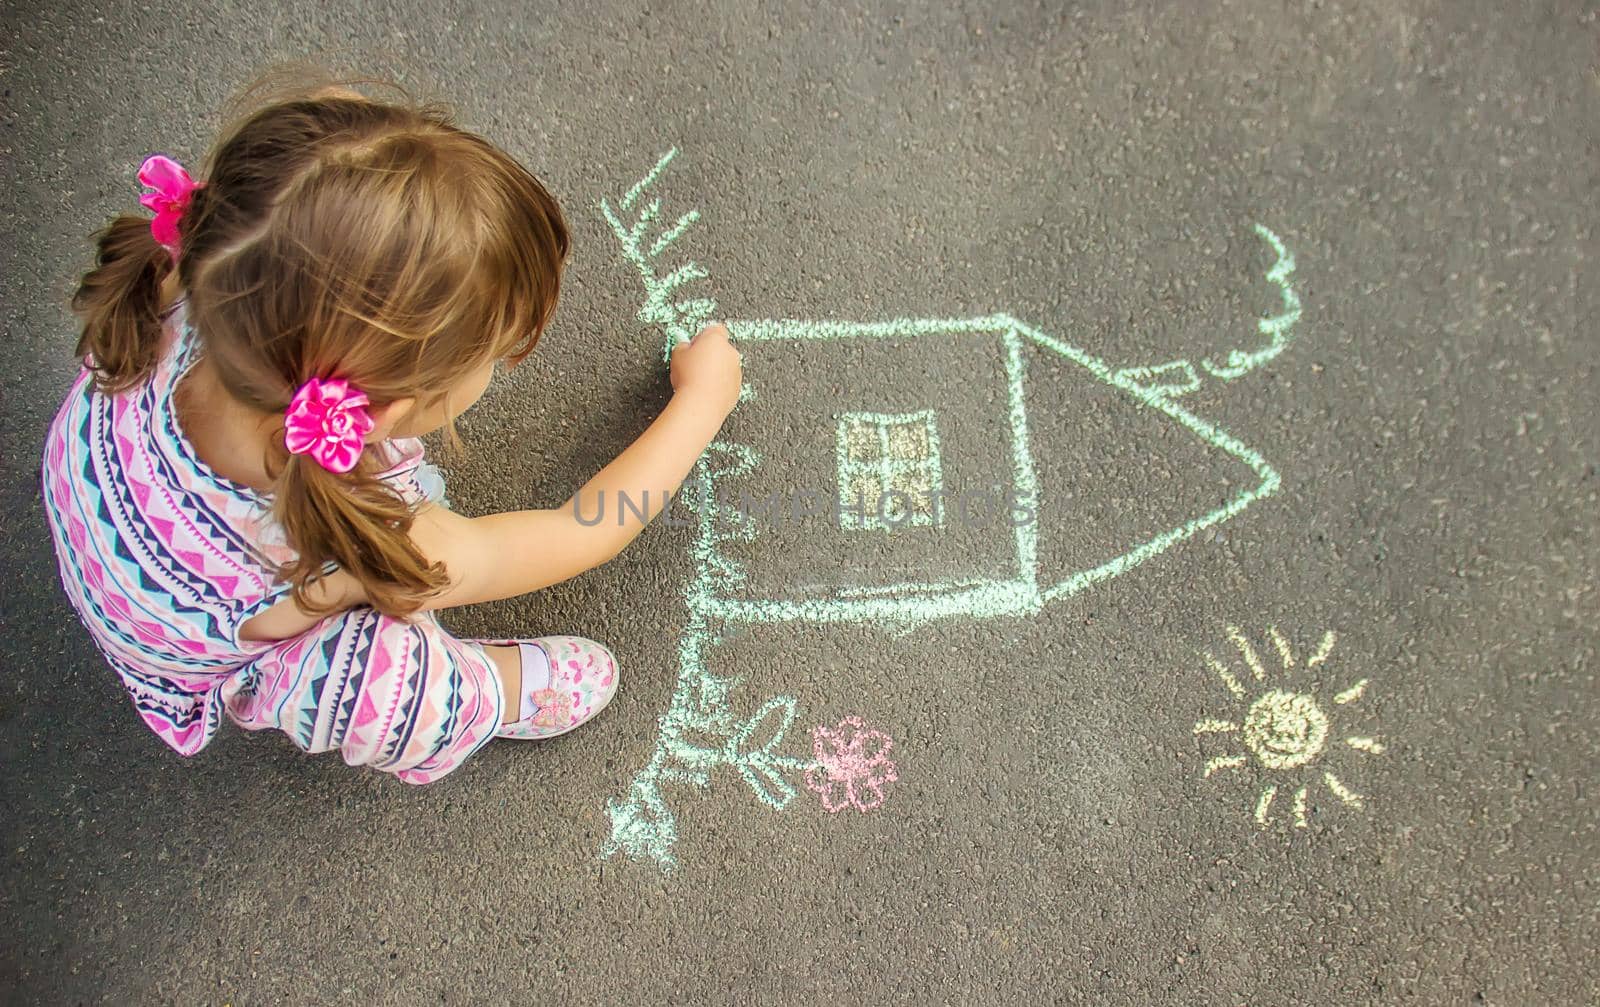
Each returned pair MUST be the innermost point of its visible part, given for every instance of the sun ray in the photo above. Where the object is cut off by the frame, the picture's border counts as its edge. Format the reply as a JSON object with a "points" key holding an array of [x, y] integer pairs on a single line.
{"points": [[1300, 809], [1370, 745], [1323, 649], [1215, 727], [1247, 652], [1351, 694], [1224, 762], [1341, 791], [1264, 805], [1284, 653], [1224, 674]]}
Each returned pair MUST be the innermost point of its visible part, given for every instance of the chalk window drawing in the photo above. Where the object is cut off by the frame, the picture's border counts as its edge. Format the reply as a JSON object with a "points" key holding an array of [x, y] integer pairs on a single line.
{"points": [[1286, 729], [889, 474]]}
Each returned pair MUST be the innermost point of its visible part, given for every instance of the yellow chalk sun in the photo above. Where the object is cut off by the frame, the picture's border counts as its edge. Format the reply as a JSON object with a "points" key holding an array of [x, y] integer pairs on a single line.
{"points": [[1285, 730]]}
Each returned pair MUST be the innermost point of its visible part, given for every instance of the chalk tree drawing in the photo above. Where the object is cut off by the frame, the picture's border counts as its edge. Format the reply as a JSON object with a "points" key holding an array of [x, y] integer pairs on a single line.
{"points": [[642, 825], [1286, 732]]}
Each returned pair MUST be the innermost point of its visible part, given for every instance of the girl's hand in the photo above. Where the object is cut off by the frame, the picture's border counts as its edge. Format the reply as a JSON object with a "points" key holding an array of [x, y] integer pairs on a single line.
{"points": [[708, 368]]}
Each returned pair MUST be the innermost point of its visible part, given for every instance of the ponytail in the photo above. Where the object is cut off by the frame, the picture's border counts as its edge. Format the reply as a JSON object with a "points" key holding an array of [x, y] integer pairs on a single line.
{"points": [[119, 302], [357, 522], [335, 238]]}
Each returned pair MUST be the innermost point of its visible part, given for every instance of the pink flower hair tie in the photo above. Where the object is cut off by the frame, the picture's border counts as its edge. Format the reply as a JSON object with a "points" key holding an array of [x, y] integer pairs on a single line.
{"points": [[328, 420], [173, 189]]}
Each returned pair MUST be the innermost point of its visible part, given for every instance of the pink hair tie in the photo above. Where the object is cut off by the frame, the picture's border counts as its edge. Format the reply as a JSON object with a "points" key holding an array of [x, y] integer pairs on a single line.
{"points": [[328, 420], [173, 188]]}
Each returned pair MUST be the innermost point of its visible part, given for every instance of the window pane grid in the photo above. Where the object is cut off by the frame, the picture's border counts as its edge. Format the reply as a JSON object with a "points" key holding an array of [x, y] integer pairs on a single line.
{"points": [[880, 454]]}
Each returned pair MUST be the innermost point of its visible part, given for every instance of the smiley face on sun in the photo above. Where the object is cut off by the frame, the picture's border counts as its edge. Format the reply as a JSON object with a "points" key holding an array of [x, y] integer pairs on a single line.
{"points": [[1285, 731]]}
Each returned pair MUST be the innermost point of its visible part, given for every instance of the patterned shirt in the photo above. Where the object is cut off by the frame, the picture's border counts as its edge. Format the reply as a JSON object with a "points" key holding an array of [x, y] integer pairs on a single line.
{"points": [[165, 560]]}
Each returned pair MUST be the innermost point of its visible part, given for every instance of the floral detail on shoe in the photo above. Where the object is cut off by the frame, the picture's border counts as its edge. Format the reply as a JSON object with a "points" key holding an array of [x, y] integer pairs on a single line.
{"points": [[583, 678], [852, 765], [555, 708]]}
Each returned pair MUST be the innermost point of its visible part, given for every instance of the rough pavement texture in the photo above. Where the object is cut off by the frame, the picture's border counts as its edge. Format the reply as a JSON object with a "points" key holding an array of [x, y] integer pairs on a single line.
{"points": [[1093, 171]]}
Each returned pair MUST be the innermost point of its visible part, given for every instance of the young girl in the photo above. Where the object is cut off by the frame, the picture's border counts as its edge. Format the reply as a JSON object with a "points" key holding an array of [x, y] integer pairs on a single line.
{"points": [[237, 495]]}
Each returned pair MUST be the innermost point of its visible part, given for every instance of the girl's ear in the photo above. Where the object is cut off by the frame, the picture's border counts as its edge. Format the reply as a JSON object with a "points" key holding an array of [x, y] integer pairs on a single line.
{"points": [[388, 416]]}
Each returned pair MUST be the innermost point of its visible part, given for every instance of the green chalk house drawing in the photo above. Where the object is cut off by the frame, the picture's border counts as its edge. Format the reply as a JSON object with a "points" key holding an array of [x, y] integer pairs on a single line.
{"points": [[889, 472], [879, 455]]}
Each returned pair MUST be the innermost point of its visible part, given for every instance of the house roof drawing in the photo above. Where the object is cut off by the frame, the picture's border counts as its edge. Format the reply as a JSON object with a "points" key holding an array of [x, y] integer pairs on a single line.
{"points": [[1018, 588]]}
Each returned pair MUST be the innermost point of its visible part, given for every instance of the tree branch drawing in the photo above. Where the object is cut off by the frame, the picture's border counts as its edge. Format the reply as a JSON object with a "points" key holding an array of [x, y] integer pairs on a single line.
{"points": [[679, 319]]}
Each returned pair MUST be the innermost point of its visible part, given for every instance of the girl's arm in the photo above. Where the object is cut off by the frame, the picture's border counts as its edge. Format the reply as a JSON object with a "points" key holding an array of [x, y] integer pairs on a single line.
{"points": [[508, 554], [503, 555]]}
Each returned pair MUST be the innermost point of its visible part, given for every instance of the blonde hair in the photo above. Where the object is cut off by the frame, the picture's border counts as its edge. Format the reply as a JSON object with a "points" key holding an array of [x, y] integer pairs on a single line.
{"points": [[336, 236]]}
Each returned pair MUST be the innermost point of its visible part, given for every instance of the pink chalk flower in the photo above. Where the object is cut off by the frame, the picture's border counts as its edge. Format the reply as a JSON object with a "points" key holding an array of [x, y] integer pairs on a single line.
{"points": [[328, 420], [852, 765], [555, 708], [173, 187]]}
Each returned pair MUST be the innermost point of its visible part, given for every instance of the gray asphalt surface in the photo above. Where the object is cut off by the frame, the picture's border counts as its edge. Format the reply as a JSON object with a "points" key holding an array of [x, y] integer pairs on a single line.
{"points": [[1091, 169]]}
